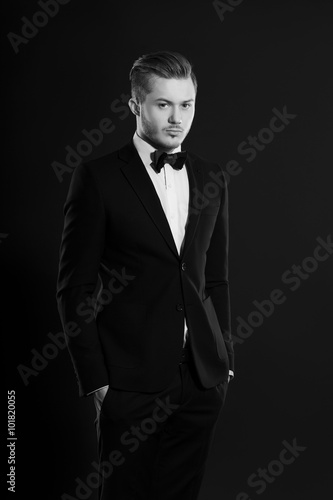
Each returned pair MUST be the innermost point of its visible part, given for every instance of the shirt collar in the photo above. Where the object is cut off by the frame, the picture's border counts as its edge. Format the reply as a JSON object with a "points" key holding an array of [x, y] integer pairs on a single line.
{"points": [[145, 149]]}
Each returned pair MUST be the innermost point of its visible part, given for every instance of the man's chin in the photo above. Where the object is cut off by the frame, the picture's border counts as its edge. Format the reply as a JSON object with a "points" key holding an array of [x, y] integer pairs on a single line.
{"points": [[171, 142], [165, 142]]}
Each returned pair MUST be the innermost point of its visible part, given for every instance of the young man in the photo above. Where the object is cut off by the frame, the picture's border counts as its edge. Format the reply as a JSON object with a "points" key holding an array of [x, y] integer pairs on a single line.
{"points": [[143, 293]]}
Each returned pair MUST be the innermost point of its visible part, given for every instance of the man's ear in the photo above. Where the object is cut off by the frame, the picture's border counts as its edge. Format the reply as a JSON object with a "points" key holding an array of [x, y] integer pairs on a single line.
{"points": [[134, 106]]}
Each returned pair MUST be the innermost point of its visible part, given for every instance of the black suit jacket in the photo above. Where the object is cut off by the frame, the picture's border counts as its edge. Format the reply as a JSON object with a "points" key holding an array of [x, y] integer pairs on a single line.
{"points": [[123, 289]]}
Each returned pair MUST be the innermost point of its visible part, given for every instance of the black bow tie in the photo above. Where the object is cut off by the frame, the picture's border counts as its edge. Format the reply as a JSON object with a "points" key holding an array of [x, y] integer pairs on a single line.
{"points": [[176, 160]]}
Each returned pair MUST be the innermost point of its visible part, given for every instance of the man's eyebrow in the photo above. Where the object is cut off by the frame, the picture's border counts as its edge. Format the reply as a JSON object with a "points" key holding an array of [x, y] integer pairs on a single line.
{"points": [[170, 102]]}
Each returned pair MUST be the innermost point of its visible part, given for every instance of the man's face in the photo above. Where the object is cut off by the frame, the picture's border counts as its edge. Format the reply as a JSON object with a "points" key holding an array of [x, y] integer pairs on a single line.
{"points": [[166, 115]]}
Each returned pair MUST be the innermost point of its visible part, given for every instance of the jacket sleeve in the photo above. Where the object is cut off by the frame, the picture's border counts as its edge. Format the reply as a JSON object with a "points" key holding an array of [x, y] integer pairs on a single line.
{"points": [[216, 272], [80, 254]]}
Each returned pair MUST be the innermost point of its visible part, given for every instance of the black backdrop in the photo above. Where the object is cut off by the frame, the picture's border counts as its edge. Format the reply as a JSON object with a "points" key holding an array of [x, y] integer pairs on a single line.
{"points": [[253, 60]]}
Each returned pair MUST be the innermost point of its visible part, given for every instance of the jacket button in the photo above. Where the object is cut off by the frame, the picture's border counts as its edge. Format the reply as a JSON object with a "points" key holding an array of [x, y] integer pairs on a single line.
{"points": [[179, 307], [184, 266]]}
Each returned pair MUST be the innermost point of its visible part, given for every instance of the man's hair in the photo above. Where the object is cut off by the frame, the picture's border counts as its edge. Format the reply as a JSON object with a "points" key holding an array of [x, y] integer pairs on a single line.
{"points": [[163, 64]]}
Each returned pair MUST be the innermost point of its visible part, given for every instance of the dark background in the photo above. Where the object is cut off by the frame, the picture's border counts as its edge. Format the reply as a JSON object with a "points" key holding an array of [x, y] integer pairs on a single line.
{"points": [[263, 55]]}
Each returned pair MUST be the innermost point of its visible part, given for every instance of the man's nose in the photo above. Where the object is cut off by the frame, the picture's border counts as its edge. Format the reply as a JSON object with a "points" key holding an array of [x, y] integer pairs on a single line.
{"points": [[175, 116]]}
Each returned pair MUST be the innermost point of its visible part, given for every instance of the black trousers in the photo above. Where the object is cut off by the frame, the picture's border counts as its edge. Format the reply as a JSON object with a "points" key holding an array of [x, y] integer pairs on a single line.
{"points": [[155, 446]]}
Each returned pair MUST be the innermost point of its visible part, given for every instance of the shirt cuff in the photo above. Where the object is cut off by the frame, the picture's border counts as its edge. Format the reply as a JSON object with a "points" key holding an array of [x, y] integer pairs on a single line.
{"points": [[92, 392], [231, 373]]}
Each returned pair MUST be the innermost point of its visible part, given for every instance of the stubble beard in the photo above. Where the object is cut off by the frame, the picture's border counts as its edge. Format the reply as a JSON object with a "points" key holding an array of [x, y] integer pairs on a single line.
{"points": [[150, 135]]}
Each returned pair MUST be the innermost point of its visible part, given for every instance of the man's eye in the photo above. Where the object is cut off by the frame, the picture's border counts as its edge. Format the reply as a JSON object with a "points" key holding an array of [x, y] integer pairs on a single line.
{"points": [[162, 105], [186, 105]]}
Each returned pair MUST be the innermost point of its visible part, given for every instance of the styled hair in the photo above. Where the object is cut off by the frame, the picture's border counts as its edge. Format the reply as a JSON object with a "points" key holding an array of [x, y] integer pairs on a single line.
{"points": [[163, 64]]}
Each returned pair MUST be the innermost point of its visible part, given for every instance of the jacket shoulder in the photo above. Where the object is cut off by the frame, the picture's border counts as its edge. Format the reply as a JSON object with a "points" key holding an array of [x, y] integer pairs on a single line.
{"points": [[107, 163]]}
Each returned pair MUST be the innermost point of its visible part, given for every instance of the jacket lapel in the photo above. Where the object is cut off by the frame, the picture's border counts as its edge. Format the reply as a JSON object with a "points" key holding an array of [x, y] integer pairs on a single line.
{"points": [[137, 176]]}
